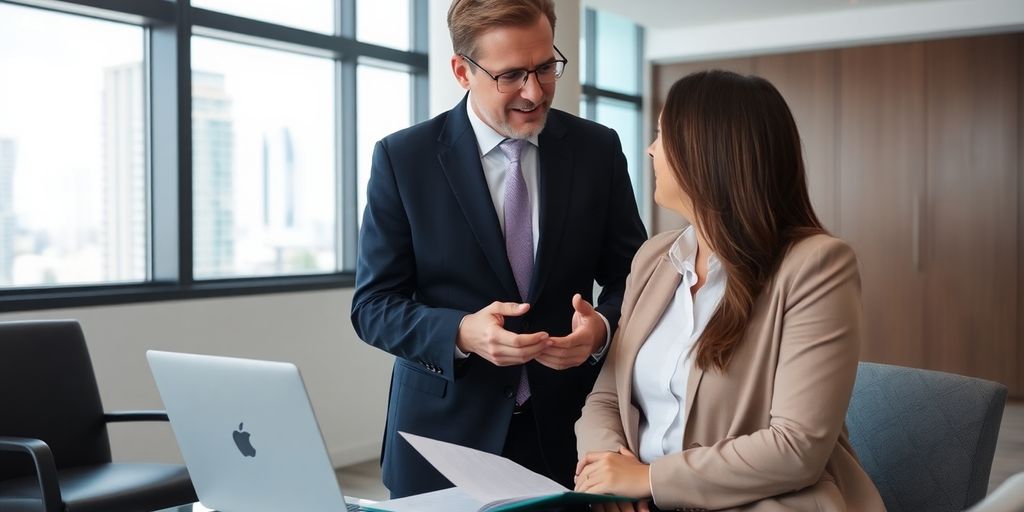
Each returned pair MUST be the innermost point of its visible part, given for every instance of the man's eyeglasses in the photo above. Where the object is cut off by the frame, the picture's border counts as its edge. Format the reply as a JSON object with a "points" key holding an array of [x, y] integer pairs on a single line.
{"points": [[512, 81]]}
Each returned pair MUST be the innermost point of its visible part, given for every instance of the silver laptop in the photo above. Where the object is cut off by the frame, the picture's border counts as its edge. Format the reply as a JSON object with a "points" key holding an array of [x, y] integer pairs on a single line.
{"points": [[247, 432]]}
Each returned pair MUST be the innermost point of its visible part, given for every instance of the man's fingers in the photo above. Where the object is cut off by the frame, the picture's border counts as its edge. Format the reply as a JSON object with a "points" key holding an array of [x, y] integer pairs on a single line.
{"points": [[503, 355], [507, 308], [583, 307], [574, 339], [553, 363], [523, 341]]}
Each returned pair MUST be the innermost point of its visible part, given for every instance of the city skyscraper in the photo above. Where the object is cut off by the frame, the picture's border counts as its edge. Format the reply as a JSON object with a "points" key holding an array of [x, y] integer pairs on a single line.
{"points": [[212, 177], [279, 191], [124, 232], [8, 222]]}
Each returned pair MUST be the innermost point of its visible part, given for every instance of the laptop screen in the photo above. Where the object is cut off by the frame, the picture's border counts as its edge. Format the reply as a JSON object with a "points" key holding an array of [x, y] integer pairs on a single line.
{"points": [[247, 433]]}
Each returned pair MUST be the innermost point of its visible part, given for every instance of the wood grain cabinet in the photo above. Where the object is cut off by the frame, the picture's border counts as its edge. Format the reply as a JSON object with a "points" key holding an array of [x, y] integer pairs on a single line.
{"points": [[914, 155]]}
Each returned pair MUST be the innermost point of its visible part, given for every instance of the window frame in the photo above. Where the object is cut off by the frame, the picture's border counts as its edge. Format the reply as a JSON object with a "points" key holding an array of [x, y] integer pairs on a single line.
{"points": [[169, 27], [590, 93]]}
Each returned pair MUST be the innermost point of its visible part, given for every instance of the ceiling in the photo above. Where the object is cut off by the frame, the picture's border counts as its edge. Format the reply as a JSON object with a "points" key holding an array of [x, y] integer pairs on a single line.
{"points": [[660, 14]]}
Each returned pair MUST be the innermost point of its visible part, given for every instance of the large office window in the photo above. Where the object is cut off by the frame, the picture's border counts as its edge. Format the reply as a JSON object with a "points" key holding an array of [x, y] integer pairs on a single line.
{"points": [[73, 182], [172, 149], [262, 161], [612, 71]]}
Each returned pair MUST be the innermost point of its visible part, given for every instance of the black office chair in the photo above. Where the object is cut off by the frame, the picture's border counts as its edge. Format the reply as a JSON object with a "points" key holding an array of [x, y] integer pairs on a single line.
{"points": [[54, 448]]}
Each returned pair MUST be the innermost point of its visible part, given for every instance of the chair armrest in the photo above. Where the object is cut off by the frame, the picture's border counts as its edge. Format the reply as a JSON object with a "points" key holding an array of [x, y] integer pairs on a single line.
{"points": [[46, 469], [116, 416]]}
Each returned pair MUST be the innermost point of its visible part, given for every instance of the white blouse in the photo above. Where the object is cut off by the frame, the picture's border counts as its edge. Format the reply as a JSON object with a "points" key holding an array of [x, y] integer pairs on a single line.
{"points": [[664, 361]]}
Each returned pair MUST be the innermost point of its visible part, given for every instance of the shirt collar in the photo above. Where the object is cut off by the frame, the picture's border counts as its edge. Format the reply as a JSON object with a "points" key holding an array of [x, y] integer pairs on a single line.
{"points": [[486, 137], [683, 253]]}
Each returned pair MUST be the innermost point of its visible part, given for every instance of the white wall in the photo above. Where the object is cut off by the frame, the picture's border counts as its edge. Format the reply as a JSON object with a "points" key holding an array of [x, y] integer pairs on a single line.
{"points": [[347, 380], [836, 29], [311, 329]]}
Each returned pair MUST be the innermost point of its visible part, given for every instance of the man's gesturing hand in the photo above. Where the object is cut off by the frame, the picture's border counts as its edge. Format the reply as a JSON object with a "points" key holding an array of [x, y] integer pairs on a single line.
{"points": [[587, 337], [483, 333]]}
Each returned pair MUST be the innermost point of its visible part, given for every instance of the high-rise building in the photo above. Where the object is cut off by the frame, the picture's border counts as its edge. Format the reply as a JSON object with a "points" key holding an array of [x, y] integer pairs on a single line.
{"points": [[279, 192], [212, 177], [7, 220], [124, 233]]}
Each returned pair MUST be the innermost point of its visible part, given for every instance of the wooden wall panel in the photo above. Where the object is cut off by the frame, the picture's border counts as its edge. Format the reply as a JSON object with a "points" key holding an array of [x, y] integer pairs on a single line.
{"points": [[663, 77], [1020, 217], [808, 82], [915, 155], [971, 238], [881, 171]]}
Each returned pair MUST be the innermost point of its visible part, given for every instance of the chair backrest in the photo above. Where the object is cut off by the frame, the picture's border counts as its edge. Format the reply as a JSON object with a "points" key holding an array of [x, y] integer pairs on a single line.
{"points": [[926, 438], [50, 393]]}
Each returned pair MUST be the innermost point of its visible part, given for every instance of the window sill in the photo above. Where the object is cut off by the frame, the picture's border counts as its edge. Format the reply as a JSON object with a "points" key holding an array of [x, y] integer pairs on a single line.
{"points": [[27, 299]]}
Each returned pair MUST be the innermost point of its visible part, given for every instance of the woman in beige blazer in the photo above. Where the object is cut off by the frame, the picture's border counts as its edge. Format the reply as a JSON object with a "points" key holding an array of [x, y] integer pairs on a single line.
{"points": [[731, 370]]}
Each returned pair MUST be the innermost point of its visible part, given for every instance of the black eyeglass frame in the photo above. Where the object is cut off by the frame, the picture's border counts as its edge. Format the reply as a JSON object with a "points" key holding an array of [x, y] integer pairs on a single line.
{"points": [[558, 71]]}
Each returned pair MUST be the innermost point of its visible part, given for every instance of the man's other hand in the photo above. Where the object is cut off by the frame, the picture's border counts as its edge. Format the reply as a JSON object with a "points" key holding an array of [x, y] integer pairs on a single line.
{"points": [[587, 337], [483, 333]]}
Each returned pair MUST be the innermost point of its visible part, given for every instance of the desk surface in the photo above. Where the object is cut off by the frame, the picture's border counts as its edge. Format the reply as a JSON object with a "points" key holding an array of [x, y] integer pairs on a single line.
{"points": [[198, 507]]}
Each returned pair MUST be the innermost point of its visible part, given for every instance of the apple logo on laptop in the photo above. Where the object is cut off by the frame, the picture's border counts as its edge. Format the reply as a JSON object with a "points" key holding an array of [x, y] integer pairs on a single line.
{"points": [[241, 438]]}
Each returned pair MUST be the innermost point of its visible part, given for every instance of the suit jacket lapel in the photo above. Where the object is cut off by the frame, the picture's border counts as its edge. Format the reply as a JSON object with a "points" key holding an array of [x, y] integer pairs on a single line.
{"points": [[459, 155], [554, 176], [653, 300]]}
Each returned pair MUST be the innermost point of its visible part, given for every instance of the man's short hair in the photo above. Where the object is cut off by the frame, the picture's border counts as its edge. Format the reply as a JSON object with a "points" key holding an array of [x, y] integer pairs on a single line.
{"points": [[468, 19]]}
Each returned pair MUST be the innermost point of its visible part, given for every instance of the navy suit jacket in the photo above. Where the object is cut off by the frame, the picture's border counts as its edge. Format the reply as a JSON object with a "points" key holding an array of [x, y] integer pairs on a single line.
{"points": [[431, 251]]}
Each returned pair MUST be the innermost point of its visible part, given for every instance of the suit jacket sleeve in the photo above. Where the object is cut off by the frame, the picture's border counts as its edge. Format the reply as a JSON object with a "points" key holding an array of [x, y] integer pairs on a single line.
{"points": [[624, 233], [385, 313], [817, 366]]}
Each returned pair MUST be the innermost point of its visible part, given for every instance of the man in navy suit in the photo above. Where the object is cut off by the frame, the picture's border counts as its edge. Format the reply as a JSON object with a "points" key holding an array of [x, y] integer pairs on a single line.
{"points": [[484, 232]]}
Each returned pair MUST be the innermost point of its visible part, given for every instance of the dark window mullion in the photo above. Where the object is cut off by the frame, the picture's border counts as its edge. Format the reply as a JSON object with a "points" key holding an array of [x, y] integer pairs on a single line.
{"points": [[420, 44], [136, 12], [164, 158], [185, 174], [347, 88]]}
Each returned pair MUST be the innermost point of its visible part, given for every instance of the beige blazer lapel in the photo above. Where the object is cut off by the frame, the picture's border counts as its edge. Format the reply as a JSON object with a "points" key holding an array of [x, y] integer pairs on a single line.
{"points": [[692, 383], [650, 306]]}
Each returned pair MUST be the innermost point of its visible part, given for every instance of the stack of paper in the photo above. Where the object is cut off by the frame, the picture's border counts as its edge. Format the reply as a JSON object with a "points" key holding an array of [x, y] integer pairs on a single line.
{"points": [[484, 482]]}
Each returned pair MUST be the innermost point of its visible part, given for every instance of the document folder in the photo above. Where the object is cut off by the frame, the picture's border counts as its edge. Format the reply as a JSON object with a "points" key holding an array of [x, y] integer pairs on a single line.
{"points": [[484, 482]]}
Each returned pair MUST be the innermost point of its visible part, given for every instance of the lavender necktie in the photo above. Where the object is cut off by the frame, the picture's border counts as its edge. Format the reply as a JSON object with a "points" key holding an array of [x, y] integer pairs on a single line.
{"points": [[518, 233]]}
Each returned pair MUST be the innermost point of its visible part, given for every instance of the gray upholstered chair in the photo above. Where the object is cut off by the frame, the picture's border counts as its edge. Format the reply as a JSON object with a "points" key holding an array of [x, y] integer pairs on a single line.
{"points": [[926, 438]]}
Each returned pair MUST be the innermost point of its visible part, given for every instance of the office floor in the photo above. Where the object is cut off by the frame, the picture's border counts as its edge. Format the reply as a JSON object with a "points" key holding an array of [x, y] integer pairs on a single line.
{"points": [[363, 480]]}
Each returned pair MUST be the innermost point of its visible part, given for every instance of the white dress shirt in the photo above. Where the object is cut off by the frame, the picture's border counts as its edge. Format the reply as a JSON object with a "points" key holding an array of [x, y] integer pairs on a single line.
{"points": [[495, 164], [666, 357]]}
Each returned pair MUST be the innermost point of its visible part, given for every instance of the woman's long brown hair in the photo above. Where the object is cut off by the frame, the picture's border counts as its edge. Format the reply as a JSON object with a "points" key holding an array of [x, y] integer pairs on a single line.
{"points": [[734, 149]]}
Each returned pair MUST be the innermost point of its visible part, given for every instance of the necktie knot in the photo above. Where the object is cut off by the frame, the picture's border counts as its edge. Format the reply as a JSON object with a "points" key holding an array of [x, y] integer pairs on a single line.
{"points": [[512, 148]]}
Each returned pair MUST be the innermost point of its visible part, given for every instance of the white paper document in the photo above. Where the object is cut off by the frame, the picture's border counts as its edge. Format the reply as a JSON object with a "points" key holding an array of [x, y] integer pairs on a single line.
{"points": [[484, 476], [483, 482], [452, 499]]}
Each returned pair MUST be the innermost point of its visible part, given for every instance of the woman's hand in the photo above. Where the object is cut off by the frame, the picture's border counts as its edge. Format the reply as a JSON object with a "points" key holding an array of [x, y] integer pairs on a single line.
{"points": [[619, 473]]}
